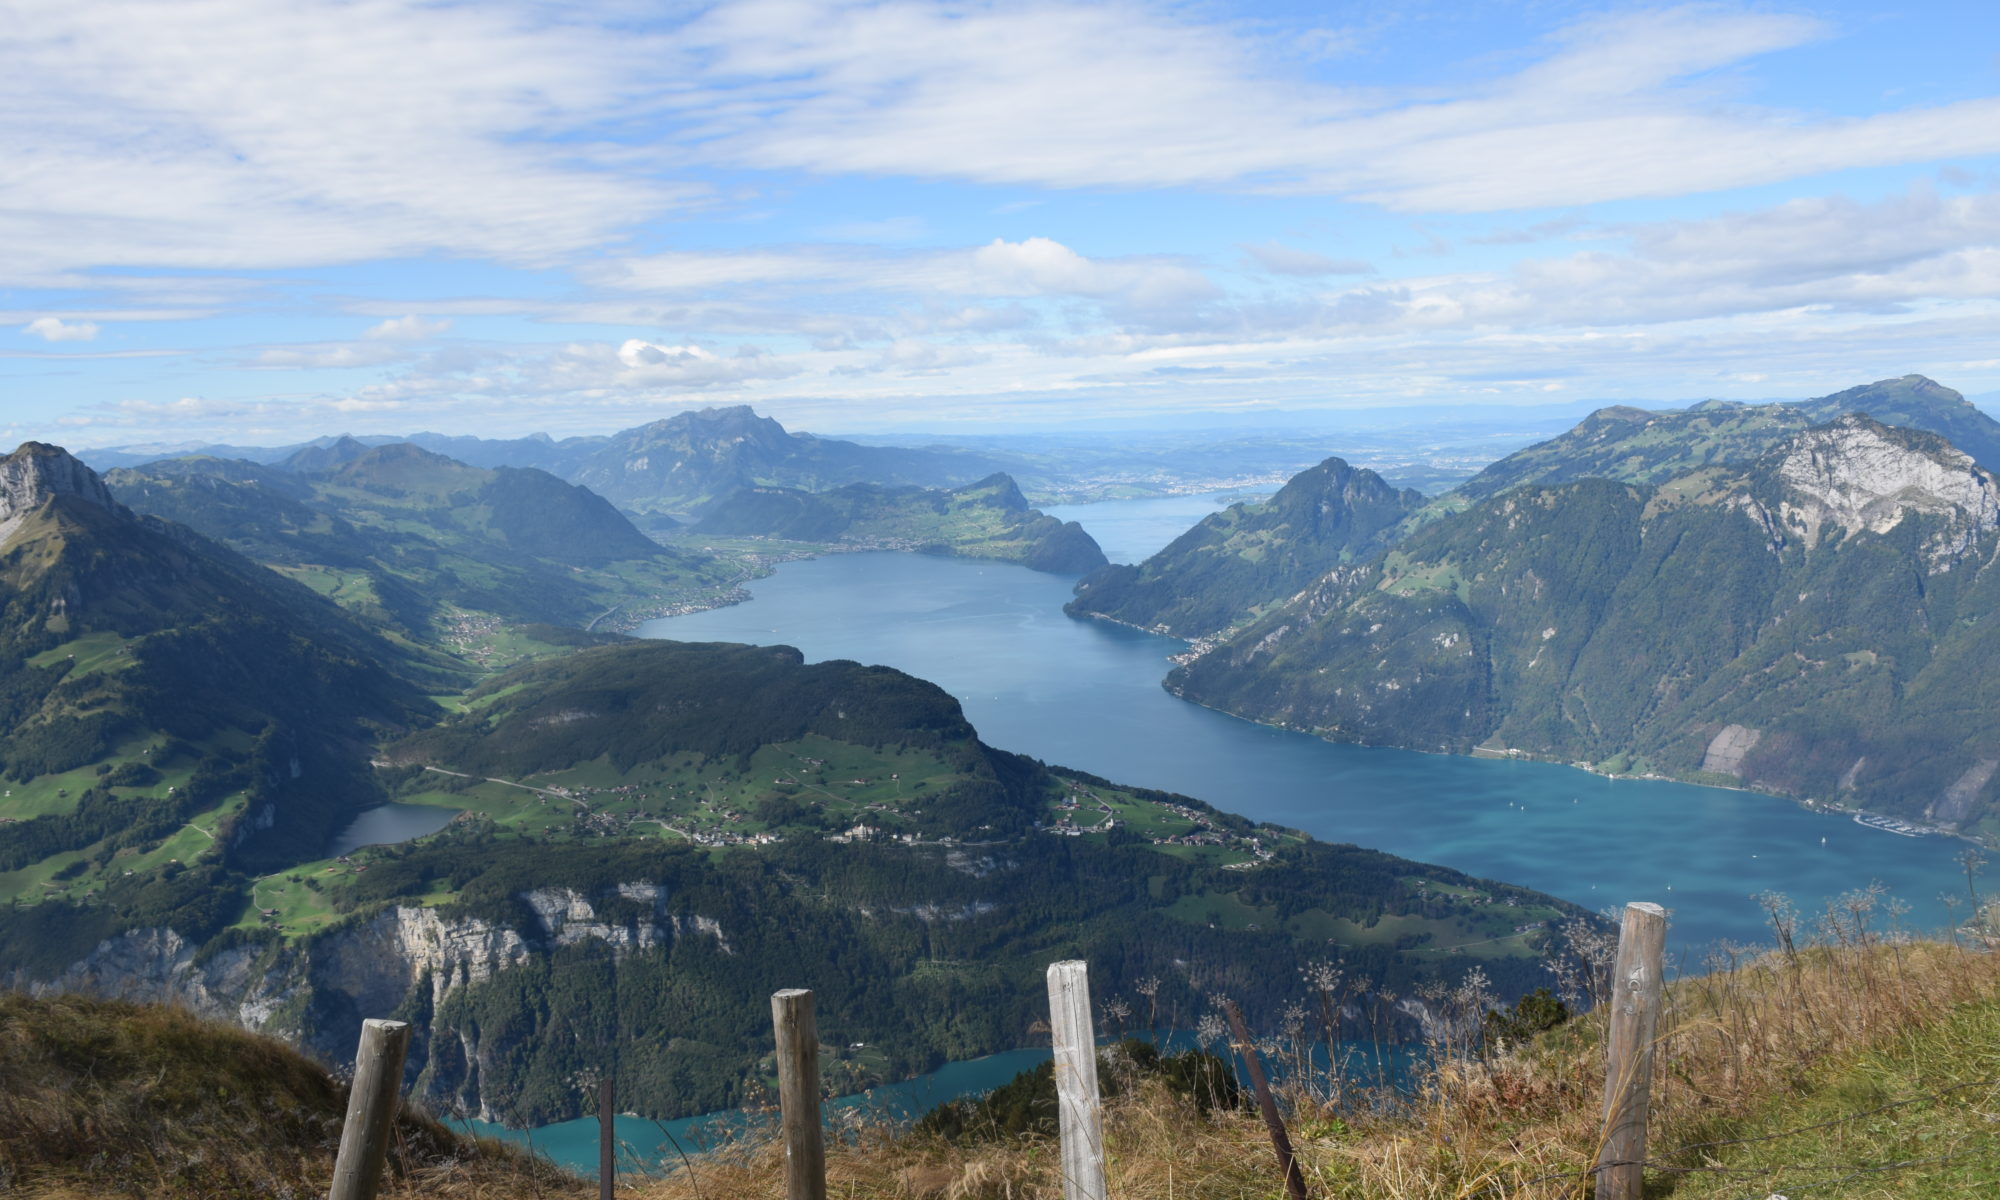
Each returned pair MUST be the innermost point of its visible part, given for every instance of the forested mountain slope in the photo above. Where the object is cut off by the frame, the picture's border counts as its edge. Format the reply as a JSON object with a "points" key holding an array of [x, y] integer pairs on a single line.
{"points": [[1824, 622], [1635, 445], [1237, 563], [422, 544], [166, 701], [657, 835], [686, 463], [987, 519], [1249, 555]]}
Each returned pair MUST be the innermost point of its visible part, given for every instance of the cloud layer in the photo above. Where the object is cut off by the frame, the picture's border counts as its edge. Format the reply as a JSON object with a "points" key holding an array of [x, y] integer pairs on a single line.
{"points": [[573, 213]]}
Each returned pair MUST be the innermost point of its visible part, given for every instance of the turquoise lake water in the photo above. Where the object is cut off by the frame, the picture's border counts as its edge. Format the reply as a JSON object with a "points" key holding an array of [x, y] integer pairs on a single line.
{"points": [[1086, 694], [654, 1146]]}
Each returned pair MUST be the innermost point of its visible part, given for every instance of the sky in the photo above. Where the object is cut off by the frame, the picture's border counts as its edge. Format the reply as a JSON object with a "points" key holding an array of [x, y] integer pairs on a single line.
{"points": [[259, 221]]}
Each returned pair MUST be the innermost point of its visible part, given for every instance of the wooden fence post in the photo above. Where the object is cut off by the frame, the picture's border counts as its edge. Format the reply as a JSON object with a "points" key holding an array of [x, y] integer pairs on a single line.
{"points": [[371, 1110], [1078, 1116], [798, 1093], [607, 1140], [1638, 981], [1281, 1142]]}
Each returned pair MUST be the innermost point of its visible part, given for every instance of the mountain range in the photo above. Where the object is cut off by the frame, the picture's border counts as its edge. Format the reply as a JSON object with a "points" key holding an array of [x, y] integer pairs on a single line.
{"points": [[166, 699], [987, 519], [1239, 562], [420, 543], [1814, 619], [678, 466], [650, 836]]}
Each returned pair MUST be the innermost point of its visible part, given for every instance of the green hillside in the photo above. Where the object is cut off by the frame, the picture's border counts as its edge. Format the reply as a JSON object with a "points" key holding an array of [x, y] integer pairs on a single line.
{"points": [[1240, 562], [657, 835], [1819, 624], [1249, 556], [1635, 445], [167, 703], [688, 463], [440, 553], [987, 519]]}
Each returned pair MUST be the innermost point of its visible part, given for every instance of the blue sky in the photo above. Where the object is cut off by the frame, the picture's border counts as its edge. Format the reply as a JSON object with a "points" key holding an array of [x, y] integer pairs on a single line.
{"points": [[262, 220]]}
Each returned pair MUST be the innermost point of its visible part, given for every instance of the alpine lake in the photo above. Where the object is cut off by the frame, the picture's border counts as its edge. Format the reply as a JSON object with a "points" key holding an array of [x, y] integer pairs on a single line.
{"points": [[1087, 694]]}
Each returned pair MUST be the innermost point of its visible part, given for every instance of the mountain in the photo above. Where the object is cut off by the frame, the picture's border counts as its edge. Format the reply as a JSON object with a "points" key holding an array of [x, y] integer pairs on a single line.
{"points": [[166, 702], [687, 463], [1240, 562], [536, 450], [1823, 622], [987, 519], [678, 465], [1635, 445], [1248, 556], [657, 835], [138, 455], [424, 545]]}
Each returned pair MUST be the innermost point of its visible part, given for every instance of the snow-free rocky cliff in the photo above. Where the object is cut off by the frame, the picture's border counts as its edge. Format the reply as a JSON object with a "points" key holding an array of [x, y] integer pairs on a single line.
{"points": [[315, 992], [1856, 474], [36, 472]]}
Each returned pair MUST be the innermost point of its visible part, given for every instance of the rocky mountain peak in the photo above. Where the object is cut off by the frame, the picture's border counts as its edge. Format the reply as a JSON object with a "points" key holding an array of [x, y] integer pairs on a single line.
{"points": [[1857, 473], [1004, 493], [38, 471]]}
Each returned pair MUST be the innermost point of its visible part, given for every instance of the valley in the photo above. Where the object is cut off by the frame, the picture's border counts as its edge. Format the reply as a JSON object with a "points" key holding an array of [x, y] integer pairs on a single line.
{"points": [[1088, 695], [578, 821]]}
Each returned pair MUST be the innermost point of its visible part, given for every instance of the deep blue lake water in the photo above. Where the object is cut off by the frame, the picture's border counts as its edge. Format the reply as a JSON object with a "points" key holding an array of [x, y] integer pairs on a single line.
{"points": [[1087, 694], [386, 824]]}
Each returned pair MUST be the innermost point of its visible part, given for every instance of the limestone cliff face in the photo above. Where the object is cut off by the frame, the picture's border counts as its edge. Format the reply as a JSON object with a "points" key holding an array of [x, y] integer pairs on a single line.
{"points": [[315, 993], [37, 471], [1856, 474]]}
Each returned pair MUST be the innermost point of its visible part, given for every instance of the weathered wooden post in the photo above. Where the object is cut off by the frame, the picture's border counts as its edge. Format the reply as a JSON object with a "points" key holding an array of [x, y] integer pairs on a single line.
{"points": [[607, 1141], [1075, 1039], [798, 1093], [1638, 981], [371, 1110], [1281, 1142]]}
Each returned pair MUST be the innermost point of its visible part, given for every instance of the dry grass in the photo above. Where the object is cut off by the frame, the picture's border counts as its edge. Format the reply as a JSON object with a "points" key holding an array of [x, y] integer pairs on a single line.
{"points": [[99, 1100], [1739, 1050]]}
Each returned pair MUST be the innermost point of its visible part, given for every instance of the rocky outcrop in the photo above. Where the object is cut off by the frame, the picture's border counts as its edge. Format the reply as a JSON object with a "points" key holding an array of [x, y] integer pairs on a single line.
{"points": [[38, 471], [1960, 802], [1725, 752], [315, 993], [567, 917], [1856, 474]]}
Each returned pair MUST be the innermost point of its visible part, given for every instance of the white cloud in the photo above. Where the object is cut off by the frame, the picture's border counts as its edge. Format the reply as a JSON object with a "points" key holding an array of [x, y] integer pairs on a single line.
{"points": [[337, 132], [336, 355], [407, 328], [55, 329], [328, 133], [915, 356], [1032, 267], [1280, 259], [650, 365], [1127, 95]]}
